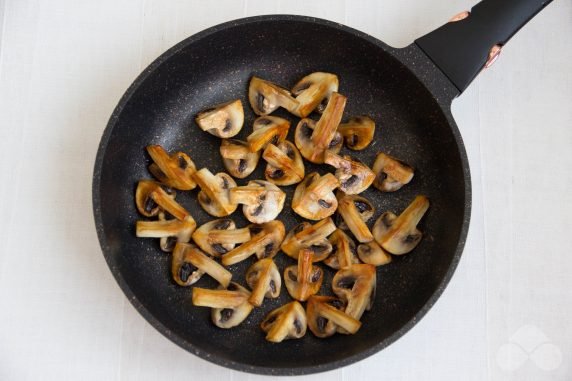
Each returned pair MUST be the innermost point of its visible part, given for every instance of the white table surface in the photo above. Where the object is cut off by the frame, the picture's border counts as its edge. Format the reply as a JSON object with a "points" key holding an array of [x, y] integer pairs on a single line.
{"points": [[63, 67]]}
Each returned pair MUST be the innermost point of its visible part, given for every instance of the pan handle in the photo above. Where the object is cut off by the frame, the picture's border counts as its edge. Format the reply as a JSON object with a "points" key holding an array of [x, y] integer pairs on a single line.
{"points": [[472, 40]]}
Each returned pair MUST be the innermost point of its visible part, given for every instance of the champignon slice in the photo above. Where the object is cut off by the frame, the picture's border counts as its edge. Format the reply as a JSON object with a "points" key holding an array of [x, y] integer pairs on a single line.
{"points": [[214, 196], [303, 138], [237, 158], [190, 262], [303, 280], [373, 254], [174, 170], [343, 251], [229, 307], [357, 132], [353, 175], [355, 211], [311, 90], [286, 322], [169, 231], [399, 235], [312, 237], [265, 97], [263, 278], [326, 313], [151, 197], [266, 130], [220, 236], [262, 200], [285, 165], [264, 243], [314, 198], [224, 120], [391, 173], [355, 285]]}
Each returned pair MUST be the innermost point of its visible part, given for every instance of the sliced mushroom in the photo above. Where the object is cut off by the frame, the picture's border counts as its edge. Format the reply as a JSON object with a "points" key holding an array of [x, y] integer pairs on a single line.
{"points": [[343, 251], [357, 132], [220, 236], [399, 235], [303, 280], [286, 322], [224, 120], [190, 262], [265, 97], [263, 278], [303, 138], [285, 165], [314, 198], [262, 200], [312, 237], [151, 197], [323, 133], [353, 175], [229, 307], [169, 231], [214, 196], [264, 243], [237, 158], [311, 90], [326, 313], [267, 130], [355, 211], [373, 254], [175, 170], [355, 285], [391, 173]]}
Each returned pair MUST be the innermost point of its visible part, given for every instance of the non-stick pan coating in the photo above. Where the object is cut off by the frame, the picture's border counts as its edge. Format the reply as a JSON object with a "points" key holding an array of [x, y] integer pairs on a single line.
{"points": [[215, 67]]}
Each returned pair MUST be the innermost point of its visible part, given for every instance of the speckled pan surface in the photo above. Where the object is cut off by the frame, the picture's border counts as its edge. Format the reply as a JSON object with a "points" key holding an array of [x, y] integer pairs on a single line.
{"points": [[399, 88]]}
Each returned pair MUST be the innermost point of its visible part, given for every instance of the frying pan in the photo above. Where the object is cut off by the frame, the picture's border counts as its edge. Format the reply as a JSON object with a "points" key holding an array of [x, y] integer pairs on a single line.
{"points": [[408, 92]]}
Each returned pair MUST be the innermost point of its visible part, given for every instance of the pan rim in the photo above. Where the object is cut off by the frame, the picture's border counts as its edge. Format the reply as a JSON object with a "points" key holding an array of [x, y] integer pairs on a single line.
{"points": [[190, 347]]}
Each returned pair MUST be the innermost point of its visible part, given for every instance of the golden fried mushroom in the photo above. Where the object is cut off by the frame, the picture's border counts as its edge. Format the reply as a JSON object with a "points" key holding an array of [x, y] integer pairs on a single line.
{"points": [[312, 237], [343, 251], [355, 211], [265, 97], [355, 285], [237, 158], [311, 90], [286, 322], [174, 170], [267, 130], [326, 313], [391, 173], [373, 254], [357, 132], [264, 280], [314, 198], [220, 236], [168, 231], [303, 138], [285, 165], [151, 197], [229, 306], [214, 196], [264, 243], [262, 201], [353, 175], [224, 120], [303, 280], [189, 263]]}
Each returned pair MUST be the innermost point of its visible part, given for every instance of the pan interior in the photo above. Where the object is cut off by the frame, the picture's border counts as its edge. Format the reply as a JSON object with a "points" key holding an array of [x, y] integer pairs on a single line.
{"points": [[217, 67]]}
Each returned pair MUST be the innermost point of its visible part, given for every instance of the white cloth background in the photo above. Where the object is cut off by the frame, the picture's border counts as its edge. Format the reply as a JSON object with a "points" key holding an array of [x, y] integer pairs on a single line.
{"points": [[63, 67]]}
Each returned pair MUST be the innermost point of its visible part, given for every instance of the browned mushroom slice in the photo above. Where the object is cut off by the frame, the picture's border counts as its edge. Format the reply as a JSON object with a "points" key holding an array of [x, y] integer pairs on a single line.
{"points": [[353, 175], [237, 158], [267, 130], [373, 254], [263, 278], [312, 237], [229, 307], [303, 138], [391, 173], [285, 165], [286, 322], [264, 243], [262, 200], [151, 197], [190, 262], [311, 90], [326, 313], [303, 280], [343, 251], [265, 97], [314, 198], [399, 235], [174, 170], [224, 120], [220, 236], [355, 285], [214, 196], [357, 132], [355, 211], [169, 231]]}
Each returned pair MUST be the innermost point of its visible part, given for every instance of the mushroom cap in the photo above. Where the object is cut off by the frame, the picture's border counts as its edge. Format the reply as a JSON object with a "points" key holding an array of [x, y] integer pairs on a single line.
{"points": [[325, 314], [264, 280], [311, 90], [214, 196], [265, 97], [305, 279], [267, 130], [344, 251], [312, 237], [220, 236], [303, 139], [391, 173], [231, 317], [354, 176], [237, 158], [224, 120], [263, 201], [399, 234], [314, 198], [355, 211], [174, 170], [356, 286], [286, 322], [373, 254], [264, 243], [358, 132], [285, 165]]}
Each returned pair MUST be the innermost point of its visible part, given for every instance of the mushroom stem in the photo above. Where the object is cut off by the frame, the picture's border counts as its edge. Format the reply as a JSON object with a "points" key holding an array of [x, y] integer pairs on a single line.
{"points": [[248, 194], [208, 184], [258, 292], [273, 133], [414, 212], [323, 185], [357, 226], [163, 229], [167, 202], [339, 318], [317, 231], [204, 263], [327, 125], [229, 236], [176, 171], [275, 157], [203, 297], [234, 151], [245, 250]]}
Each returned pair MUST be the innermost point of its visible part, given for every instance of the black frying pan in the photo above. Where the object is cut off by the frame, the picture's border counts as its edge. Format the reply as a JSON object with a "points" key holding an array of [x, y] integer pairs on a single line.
{"points": [[408, 92]]}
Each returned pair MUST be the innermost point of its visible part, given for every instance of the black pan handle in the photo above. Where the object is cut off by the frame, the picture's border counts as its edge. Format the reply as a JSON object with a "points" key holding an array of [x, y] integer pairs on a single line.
{"points": [[462, 48]]}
